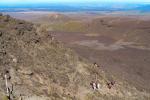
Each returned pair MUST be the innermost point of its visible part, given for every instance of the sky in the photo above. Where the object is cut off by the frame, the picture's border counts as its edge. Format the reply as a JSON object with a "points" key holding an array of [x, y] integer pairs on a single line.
{"points": [[53, 1]]}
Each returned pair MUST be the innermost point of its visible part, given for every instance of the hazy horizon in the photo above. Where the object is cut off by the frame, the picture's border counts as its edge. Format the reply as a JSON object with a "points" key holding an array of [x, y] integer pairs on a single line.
{"points": [[16, 2], [74, 5]]}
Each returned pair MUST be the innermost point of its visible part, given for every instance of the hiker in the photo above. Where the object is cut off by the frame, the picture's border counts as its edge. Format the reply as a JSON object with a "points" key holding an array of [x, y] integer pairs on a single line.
{"points": [[9, 86], [51, 37], [6, 83], [110, 84], [93, 84], [97, 85], [96, 65], [20, 97]]}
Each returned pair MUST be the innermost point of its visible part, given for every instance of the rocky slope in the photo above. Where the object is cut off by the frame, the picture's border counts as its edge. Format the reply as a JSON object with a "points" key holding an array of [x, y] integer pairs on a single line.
{"points": [[40, 68]]}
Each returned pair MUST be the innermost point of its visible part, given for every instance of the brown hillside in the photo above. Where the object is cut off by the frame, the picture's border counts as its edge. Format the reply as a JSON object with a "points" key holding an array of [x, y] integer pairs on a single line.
{"points": [[40, 68]]}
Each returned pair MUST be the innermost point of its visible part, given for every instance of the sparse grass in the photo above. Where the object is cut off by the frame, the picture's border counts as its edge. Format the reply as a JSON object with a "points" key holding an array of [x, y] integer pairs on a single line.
{"points": [[5, 98], [89, 97], [70, 26], [2, 26]]}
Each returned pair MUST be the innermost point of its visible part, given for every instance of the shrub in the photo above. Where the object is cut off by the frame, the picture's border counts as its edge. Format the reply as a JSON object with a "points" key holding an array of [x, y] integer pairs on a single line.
{"points": [[5, 98], [1, 33], [7, 17]]}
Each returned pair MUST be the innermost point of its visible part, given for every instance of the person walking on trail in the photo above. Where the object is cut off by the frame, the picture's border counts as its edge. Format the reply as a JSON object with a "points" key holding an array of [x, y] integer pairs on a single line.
{"points": [[96, 65], [110, 84], [93, 84], [97, 85], [9, 86]]}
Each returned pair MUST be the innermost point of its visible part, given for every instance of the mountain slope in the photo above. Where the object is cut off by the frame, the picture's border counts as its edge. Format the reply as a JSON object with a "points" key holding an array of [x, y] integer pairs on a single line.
{"points": [[40, 68]]}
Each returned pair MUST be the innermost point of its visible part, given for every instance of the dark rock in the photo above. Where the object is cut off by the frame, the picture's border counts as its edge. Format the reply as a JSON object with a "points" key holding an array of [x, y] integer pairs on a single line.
{"points": [[6, 71], [1, 14], [37, 41], [21, 22], [1, 33]]}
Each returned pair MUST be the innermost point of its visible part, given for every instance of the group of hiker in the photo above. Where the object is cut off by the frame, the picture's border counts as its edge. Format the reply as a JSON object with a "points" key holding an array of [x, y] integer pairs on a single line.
{"points": [[110, 84], [96, 85]]}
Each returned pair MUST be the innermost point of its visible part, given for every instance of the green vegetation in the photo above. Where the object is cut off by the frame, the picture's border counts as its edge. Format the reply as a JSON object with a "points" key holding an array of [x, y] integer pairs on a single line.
{"points": [[2, 26], [5, 98], [70, 26]]}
